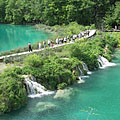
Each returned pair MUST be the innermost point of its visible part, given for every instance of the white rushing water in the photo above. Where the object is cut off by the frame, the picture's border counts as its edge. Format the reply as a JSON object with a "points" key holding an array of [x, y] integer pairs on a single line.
{"points": [[80, 76], [80, 80], [103, 62], [34, 89], [85, 67], [81, 72]]}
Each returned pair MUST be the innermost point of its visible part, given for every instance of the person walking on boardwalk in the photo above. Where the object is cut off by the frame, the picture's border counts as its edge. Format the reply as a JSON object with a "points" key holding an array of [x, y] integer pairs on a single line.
{"points": [[30, 48], [88, 32], [52, 43], [57, 41], [65, 39], [62, 40], [39, 45], [68, 39], [44, 43], [71, 38], [48, 43]]}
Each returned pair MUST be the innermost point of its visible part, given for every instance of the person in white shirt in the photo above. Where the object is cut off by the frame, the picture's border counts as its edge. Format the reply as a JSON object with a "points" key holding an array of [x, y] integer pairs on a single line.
{"points": [[79, 35], [74, 37], [49, 43], [57, 41], [68, 39], [65, 39], [40, 45]]}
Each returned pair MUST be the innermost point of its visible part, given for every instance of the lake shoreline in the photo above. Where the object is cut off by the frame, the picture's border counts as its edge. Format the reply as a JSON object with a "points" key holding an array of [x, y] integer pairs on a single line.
{"points": [[28, 35]]}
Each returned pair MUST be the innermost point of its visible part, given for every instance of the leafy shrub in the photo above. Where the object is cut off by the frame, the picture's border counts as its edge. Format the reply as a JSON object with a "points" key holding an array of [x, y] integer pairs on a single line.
{"points": [[12, 91], [61, 86], [18, 70], [33, 61]]}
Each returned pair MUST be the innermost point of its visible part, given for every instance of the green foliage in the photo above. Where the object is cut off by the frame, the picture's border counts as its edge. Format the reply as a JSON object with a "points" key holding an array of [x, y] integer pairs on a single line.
{"points": [[87, 50], [18, 70], [55, 12], [73, 28], [2, 10], [12, 91], [112, 18], [61, 86], [52, 72], [33, 61]]}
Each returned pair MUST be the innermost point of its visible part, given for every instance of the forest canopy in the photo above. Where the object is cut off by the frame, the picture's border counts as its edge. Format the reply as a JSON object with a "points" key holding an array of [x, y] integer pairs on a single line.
{"points": [[52, 12]]}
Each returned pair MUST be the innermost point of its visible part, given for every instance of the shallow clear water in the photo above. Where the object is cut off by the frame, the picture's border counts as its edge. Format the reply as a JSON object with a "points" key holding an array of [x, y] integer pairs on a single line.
{"points": [[101, 91], [14, 36]]}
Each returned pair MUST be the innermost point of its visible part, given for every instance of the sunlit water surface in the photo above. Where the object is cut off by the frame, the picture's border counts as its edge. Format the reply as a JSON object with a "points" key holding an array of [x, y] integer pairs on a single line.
{"points": [[15, 36]]}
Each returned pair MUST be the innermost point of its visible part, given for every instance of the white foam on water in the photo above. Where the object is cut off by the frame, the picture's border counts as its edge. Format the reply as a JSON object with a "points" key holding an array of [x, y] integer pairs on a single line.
{"points": [[80, 81], [89, 72], [103, 62]]}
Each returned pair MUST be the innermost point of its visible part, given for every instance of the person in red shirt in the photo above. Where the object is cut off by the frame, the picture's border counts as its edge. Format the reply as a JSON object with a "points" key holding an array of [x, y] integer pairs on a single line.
{"points": [[30, 48]]}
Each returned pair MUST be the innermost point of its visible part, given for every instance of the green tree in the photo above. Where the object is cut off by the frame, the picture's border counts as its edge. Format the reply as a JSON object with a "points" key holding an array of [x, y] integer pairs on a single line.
{"points": [[12, 91], [113, 17], [2, 10]]}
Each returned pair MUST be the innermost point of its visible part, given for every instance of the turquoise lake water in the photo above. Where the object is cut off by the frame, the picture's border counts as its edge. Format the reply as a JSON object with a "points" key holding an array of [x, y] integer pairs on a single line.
{"points": [[15, 36], [101, 91]]}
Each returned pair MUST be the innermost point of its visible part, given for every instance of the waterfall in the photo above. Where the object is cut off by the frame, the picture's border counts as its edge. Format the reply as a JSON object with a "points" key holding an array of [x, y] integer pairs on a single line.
{"points": [[80, 80], [80, 76], [103, 62], [81, 72], [34, 89], [99, 64], [85, 67]]}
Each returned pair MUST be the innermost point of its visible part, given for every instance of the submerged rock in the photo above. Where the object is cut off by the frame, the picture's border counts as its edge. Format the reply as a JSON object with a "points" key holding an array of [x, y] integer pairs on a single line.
{"points": [[64, 94], [43, 106]]}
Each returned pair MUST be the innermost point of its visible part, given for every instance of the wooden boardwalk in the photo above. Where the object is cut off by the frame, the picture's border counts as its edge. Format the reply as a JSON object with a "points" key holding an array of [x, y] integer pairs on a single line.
{"points": [[92, 32]]}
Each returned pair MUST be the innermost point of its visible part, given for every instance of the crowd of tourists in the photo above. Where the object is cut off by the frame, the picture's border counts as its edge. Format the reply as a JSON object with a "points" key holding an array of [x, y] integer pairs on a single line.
{"points": [[51, 43]]}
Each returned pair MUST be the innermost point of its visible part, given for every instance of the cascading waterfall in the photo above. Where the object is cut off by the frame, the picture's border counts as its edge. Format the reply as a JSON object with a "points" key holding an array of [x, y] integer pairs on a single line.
{"points": [[80, 77], [85, 67], [34, 89], [103, 62], [99, 64], [81, 72]]}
